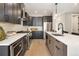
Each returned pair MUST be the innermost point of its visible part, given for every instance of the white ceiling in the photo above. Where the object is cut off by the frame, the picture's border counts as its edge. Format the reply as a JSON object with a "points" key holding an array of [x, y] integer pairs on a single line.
{"points": [[67, 7], [41, 9]]}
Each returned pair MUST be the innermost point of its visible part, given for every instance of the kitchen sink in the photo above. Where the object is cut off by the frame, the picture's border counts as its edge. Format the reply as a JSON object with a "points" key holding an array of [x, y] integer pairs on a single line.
{"points": [[56, 34]]}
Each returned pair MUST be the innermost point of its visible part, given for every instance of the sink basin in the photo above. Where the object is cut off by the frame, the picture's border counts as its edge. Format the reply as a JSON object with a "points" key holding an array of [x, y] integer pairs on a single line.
{"points": [[56, 34]]}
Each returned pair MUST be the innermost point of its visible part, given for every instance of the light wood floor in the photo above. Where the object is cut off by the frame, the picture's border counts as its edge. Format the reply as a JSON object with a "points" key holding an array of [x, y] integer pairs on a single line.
{"points": [[37, 48]]}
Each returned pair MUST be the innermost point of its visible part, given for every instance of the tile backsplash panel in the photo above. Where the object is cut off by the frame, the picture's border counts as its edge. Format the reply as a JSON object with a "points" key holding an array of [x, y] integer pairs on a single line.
{"points": [[17, 27]]}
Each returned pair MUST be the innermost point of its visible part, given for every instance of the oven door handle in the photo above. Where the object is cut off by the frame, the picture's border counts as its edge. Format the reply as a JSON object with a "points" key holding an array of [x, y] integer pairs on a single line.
{"points": [[20, 49]]}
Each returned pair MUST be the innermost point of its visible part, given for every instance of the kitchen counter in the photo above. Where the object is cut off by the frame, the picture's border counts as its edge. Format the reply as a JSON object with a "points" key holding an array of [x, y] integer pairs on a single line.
{"points": [[72, 42], [11, 39]]}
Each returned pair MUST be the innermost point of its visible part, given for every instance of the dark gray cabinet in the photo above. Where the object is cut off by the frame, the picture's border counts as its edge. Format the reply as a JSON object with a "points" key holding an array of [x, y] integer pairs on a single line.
{"points": [[2, 12], [60, 49], [56, 48], [10, 12], [50, 42], [27, 22], [4, 51], [47, 18], [37, 21], [37, 35]]}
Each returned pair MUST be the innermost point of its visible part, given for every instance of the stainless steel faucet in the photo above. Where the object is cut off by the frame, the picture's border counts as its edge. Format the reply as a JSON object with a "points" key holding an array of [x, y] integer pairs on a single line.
{"points": [[60, 24]]}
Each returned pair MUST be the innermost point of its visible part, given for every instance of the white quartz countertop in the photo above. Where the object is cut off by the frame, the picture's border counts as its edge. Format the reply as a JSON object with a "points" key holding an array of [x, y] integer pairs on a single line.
{"points": [[67, 39], [72, 42], [11, 39]]}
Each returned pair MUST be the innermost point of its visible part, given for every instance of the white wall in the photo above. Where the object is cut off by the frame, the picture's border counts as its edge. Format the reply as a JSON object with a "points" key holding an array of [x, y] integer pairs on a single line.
{"points": [[68, 22], [66, 19], [58, 19]]}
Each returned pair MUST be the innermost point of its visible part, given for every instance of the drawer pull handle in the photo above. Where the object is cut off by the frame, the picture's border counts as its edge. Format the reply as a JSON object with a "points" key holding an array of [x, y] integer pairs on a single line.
{"points": [[57, 47], [49, 41], [57, 41]]}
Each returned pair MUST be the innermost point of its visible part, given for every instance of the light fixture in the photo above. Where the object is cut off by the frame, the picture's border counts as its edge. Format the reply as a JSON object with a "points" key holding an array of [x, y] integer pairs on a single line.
{"points": [[36, 11], [75, 4], [45, 11], [56, 8]]}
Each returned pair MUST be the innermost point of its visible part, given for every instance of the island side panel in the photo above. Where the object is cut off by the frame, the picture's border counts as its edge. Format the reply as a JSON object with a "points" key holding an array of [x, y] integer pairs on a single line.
{"points": [[4, 51]]}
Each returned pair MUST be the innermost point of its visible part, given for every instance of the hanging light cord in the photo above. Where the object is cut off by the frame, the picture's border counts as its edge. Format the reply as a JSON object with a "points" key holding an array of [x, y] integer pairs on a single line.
{"points": [[56, 7]]}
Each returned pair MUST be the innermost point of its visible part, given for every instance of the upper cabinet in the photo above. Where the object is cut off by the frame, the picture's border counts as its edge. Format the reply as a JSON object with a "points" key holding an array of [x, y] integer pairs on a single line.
{"points": [[37, 21], [47, 18], [27, 21], [12, 12], [1, 12]]}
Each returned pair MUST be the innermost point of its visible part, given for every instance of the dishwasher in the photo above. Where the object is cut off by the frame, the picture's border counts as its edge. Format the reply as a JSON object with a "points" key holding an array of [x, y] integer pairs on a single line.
{"points": [[28, 39]]}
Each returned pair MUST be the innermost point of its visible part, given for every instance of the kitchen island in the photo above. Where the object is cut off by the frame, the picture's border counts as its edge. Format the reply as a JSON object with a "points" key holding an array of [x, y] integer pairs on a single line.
{"points": [[14, 45], [69, 41], [11, 39]]}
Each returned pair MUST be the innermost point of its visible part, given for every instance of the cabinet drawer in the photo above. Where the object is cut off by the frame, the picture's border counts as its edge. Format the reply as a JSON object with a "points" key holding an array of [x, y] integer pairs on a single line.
{"points": [[58, 51], [56, 47], [58, 43]]}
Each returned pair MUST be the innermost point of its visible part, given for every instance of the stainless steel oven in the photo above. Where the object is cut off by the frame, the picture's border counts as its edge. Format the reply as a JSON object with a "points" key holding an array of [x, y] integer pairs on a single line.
{"points": [[16, 48]]}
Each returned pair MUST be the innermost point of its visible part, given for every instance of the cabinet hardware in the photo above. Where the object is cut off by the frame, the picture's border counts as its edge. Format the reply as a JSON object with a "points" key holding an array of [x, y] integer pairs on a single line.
{"points": [[49, 41], [57, 41], [57, 47]]}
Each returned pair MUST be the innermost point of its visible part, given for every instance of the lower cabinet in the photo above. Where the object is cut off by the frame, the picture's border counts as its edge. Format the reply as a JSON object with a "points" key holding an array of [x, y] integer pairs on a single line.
{"points": [[60, 49], [37, 35], [56, 48], [50, 44]]}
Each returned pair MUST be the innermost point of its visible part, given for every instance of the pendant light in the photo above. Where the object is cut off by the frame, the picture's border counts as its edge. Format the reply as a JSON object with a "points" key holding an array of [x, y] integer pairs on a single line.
{"points": [[56, 5], [56, 10]]}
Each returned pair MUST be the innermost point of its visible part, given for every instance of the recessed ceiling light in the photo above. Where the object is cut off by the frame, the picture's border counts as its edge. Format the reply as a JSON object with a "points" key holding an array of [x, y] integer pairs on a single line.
{"points": [[75, 4], [36, 12], [9, 3], [45, 11]]}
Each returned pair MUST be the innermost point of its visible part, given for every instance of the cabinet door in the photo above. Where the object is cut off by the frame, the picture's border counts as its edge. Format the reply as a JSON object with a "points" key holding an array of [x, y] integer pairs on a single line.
{"points": [[37, 21], [4, 51], [2, 12], [10, 13], [58, 48], [52, 45], [28, 22], [37, 35], [47, 19], [49, 42], [58, 51]]}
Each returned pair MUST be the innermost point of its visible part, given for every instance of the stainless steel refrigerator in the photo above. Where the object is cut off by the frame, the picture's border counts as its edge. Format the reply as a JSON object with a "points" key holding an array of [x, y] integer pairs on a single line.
{"points": [[47, 26]]}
